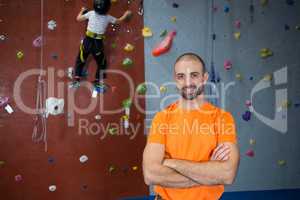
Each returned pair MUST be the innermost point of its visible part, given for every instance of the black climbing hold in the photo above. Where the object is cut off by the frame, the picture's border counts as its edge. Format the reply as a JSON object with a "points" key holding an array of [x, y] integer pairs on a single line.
{"points": [[175, 5]]}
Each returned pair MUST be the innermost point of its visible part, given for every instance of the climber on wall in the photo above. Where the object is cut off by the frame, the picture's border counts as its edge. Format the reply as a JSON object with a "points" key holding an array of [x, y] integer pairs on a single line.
{"points": [[98, 20]]}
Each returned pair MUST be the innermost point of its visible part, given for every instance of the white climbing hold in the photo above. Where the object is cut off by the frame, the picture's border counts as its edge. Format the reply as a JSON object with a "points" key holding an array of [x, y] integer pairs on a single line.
{"points": [[52, 188], [83, 159], [52, 25]]}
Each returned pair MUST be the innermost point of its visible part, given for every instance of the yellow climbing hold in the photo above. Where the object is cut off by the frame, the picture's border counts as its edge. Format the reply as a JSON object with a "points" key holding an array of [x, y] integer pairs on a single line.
{"points": [[173, 19], [163, 89], [264, 2], [237, 35], [286, 104], [128, 47], [147, 32], [114, 1], [125, 117], [268, 77], [20, 55], [281, 162], [238, 77], [252, 141], [111, 169], [135, 168], [265, 53]]}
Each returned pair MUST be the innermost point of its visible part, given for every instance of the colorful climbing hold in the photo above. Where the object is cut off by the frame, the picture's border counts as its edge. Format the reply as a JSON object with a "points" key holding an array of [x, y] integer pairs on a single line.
{"points": [[290, 2], [268, 77], [175, 5], [252, 141], [2, 163], [173, 19], [98, 117], [265, 53], [113, 45], [237, 35], [126, 103], [281, 162], [127, 62], [141, 89], [125, 117], [163, 33], [287, 27], [264, 2], [50, 160], [111, 169], [2, 37], [162, 89], [128, 47], [52, 188], [112, 131], [135, 168], [20, 55], [214, 36], [54, 56], [250, 153], [247, 115], [237, 24], [165, 45], [147, 32], [226, 9], [37, 42], [227, 64], [52, 25], [238, 76], [248, 103], [83, 159], [18, 178], [286, 104]]}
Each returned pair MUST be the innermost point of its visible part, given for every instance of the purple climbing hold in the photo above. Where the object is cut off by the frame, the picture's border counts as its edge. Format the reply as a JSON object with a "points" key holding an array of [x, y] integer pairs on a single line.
{"points": [[50, 160], [247, 115], [3, 101]]}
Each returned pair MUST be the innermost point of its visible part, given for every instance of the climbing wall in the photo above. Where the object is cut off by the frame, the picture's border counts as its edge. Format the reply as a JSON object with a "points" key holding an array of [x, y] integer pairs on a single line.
{"points": [[248, 44], [89, 152]]}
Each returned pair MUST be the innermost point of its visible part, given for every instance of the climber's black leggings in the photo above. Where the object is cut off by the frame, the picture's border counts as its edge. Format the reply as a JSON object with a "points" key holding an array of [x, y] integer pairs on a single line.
{"points": [[96, 48]]}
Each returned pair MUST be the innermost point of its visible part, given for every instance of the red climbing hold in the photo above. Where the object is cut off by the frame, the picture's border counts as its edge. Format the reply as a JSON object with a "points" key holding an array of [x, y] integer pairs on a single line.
{"points": [[165, 45]]}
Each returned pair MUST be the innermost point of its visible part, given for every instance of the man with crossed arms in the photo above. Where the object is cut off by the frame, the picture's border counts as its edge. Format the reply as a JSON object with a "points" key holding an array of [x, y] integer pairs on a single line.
{"points": [[191, 150]]}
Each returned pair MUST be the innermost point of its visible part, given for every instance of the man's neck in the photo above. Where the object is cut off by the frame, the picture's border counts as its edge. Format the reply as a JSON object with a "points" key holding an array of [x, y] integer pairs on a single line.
{"points": [[192, 104]]}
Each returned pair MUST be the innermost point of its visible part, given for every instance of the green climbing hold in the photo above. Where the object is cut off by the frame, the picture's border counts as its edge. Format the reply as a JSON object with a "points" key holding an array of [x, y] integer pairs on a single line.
{"points": [[112, 131], [127, 62], [141, 89], [126, 103], [163, 33], [113, 45]]}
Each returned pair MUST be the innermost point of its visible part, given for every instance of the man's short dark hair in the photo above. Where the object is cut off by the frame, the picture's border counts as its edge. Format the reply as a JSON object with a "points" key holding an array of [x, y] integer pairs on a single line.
{"points": [[193, 56]]}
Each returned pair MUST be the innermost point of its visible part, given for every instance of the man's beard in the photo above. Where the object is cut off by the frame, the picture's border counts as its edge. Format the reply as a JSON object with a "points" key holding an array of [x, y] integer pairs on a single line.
{"points": [[194, 93]]}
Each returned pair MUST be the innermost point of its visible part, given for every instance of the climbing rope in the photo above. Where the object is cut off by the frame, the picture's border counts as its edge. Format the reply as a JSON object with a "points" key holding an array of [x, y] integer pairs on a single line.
{"points": [[40, 121]]}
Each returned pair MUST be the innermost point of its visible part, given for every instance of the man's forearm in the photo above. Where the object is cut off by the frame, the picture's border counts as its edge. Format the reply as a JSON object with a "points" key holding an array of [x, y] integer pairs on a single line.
{"points": [[167, 177], [205, 173]]}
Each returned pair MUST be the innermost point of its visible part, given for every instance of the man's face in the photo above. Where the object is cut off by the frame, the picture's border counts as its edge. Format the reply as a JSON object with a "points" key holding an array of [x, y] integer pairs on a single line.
{"points": [[189, 78]]}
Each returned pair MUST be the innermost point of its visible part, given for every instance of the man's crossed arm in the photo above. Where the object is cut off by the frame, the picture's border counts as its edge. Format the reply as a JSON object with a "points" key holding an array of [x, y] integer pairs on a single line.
{"points": [[221, 169]]}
